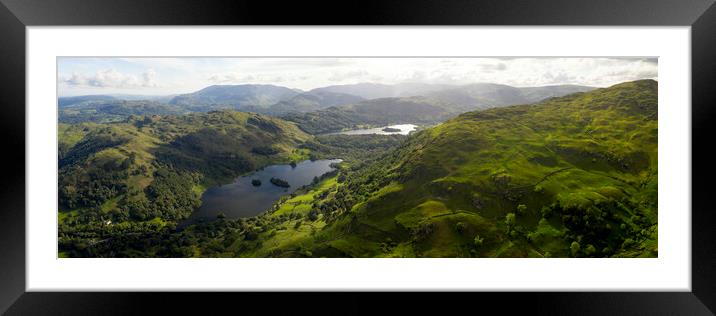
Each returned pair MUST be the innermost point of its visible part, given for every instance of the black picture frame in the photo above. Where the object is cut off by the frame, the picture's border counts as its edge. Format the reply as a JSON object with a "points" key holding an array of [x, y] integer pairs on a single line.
{"points": [[16, 15]]}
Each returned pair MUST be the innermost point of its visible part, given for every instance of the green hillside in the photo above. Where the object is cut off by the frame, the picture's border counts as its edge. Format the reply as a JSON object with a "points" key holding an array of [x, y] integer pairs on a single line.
{"points": [[321, 110], [376, 112], [435, 106], [111, 110], [306, 102], [150, 170], [574, 176], [218, 97]]}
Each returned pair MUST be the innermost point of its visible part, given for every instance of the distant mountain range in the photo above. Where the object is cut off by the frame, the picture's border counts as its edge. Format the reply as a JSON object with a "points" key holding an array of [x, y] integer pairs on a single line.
{"points": [[307, 102], [335, 106], [69, 101], [235, 96], [76, 100], [377, 91], [375, 112], [487, 95], [113, 110], [568, 176], [436, 106]]}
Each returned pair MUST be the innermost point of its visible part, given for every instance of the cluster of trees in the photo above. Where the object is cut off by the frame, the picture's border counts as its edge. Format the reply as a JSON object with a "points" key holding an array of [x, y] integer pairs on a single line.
{"points": [[604, 228], [137, 222], [89, 184], [321, 122], [95, 141], [105, 111], [361, 179], [280, 182], [377, 112], [351, 148], [264, 150], [171, 196], [100, 238], [202, 152], [224, 237], [90, 187], [341, 201]]}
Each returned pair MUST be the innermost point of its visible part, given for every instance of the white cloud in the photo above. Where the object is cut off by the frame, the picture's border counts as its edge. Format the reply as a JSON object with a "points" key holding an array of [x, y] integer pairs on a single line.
{"points": [[149, 78], [183, 75], [236, 78], [229, 77], [111, 78], [339, 76]]}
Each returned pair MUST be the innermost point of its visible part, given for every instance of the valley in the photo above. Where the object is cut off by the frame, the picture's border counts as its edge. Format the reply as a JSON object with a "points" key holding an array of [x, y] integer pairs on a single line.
{"points": [[407, 170], [244, 198]]}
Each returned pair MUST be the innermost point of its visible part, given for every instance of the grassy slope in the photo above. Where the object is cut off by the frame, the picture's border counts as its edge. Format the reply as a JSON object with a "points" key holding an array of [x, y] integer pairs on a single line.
{"points": [[584, 166], [198, 143], [214, 133]]}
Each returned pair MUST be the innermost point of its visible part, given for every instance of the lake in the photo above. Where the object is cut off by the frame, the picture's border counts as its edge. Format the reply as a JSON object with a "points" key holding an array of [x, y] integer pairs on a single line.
{"points": [[405, 129], [242, 199]]}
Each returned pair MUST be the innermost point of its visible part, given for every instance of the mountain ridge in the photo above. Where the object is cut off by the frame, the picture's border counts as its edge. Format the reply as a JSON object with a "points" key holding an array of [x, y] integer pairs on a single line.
{"points": [[430, 109], [235, 96], [573, 176], [569, 176]]}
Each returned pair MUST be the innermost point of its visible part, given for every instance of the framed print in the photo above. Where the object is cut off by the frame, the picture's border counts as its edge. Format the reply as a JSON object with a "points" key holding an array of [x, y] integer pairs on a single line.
{"points": [[471, 147]]}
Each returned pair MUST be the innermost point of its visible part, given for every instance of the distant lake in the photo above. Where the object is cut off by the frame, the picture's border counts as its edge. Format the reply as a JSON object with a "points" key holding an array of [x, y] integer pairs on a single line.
{"points": [[242, 199], [405, 129]]}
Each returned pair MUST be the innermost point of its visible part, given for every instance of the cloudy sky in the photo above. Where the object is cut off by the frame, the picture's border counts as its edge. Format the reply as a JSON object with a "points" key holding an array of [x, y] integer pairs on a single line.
{"points": [[161, 76]]}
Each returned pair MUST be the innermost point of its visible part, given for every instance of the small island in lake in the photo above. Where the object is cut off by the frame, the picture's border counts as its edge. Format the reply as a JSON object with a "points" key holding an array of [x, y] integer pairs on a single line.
{"points": [[391, 130], [256, 182], [280, 182]]}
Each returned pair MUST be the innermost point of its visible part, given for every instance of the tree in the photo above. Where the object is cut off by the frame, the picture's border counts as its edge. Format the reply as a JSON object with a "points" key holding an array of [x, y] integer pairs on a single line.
{"points": [[510, 220], [251, 234], [460, 227], [423, 231], [590, 250], [521, 209], [478, 241], [532, 236], [313, 215], [574, 248], [280, 182]]}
